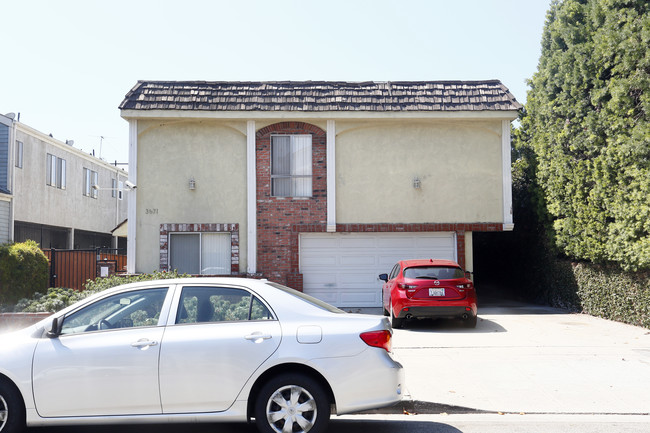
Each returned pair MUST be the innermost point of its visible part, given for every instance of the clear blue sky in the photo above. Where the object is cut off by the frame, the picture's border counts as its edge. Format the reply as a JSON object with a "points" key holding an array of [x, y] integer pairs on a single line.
{"points": [[67, 64]]}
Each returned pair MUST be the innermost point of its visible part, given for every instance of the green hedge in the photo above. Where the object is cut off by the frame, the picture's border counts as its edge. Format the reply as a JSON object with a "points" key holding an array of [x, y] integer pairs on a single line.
{"points": [[23, 271], [56, 299], [604, 291], [607, 291]]}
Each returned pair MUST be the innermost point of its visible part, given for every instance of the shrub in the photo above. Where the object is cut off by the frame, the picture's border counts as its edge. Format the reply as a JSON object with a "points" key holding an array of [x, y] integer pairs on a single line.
{"points": [[58, 298], [23, 271], [607, 291]]}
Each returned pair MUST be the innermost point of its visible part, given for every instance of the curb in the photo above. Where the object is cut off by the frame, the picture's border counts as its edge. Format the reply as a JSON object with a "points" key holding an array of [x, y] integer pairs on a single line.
{"points": [[414, 407]]}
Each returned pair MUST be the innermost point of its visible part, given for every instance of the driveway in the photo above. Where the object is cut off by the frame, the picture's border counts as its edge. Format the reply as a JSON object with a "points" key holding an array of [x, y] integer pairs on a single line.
{"points": [[526, 359]]}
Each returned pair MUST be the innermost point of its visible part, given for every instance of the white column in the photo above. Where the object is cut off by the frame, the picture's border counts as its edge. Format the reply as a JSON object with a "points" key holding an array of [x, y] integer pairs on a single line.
{"points": [[331, 176], [508, 223], [251, 198], [131, 196]]}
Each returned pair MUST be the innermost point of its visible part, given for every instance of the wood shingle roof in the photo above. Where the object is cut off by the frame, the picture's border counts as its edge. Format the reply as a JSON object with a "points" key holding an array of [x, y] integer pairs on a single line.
{"points": [[320, 96]]}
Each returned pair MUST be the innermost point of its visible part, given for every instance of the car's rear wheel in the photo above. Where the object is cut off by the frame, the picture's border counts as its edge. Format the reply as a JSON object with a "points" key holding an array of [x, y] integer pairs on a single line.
{"points": [[394, 321], [12, 410], [292, 403]]}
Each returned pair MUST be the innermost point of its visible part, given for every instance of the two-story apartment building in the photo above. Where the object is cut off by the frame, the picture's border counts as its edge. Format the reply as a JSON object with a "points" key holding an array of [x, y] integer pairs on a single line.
{"points": [[55, 194], [317, 185]]}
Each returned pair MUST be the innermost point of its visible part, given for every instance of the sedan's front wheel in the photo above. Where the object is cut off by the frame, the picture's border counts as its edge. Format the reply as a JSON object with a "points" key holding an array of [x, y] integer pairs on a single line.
{"points": [[12, 411], [292, 404]]}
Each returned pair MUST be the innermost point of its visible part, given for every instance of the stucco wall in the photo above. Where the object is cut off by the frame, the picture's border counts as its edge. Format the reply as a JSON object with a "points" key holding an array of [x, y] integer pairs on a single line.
{"points": [[36, 202], [458, 163], [169, 155]]}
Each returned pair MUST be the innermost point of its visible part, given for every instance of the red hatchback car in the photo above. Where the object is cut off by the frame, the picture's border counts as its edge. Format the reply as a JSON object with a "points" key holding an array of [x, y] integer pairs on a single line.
{"points": [[428, 288]]}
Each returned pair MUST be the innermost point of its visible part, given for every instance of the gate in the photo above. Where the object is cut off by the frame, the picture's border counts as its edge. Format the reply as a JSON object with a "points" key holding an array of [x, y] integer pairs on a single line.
{"points": [[72, 268]]}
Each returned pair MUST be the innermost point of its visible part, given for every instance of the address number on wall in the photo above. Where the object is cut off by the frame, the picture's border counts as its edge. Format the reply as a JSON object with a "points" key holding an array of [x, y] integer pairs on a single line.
{"points": [[151, 211]]}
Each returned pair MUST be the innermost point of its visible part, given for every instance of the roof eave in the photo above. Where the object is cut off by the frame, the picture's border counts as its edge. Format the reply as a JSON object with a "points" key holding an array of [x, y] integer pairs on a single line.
{"points": [[333, 115]]}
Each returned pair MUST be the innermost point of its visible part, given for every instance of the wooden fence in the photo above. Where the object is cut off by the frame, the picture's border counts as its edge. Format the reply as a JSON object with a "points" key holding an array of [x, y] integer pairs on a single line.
{"points": [[72, 268]]}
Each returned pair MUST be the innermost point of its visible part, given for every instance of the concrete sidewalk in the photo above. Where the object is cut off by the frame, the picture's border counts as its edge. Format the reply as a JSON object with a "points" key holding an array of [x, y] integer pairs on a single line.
{"points": [[525, 359]]}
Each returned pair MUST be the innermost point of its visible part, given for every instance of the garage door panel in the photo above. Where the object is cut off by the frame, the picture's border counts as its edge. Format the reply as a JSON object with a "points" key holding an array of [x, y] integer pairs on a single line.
{"points": [[352, 298], [357, 242], [322, 260], [402, 243], [329, 296], [342, 269], [357, 279], [319, 241], [351, 260]]}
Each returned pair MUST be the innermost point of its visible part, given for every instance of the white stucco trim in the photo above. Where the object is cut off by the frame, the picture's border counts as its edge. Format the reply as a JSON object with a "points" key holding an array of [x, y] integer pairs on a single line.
{"points": [[132, 196], [508, 224], [280, 115], [251, 198], [331, 176]]}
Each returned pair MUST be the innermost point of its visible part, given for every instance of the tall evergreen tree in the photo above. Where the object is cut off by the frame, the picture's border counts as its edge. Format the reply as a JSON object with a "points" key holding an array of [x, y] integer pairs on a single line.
{"points": [[587, 121]]}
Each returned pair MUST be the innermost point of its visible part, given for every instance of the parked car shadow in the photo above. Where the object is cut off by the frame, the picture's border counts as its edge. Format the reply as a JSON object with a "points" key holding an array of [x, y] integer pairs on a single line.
{"points": [[407, 425], [483, 325]]}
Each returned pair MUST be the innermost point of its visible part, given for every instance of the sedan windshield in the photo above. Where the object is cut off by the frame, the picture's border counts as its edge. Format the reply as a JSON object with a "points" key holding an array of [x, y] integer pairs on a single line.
{"points": [[434, 272]]}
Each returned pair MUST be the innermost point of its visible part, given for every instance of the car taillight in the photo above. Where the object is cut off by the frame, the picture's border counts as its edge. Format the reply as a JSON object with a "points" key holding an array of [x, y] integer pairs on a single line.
{"points": [[381, 339], [406, 286]]}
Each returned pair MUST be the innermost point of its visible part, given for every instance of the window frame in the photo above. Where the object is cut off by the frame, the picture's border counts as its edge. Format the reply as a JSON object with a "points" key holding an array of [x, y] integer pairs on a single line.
{"points": [[85, 309], [55, 171], [200, 250], [89, 177], [291, 176], [19, 149], [211, 290]]}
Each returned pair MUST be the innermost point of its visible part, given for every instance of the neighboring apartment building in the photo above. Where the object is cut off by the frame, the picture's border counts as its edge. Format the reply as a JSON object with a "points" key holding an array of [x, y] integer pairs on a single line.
{"points": [[317, 185], [56, 194]]}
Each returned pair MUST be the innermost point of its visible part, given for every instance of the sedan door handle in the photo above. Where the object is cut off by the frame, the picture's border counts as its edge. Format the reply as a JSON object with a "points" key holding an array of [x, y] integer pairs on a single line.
{"points": [[258, 337], [144, 343]]}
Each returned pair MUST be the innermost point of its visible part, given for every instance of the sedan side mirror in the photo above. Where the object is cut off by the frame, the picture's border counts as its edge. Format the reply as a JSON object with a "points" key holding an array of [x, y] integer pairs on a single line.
{"points": [[55, 329], [383, 277]]}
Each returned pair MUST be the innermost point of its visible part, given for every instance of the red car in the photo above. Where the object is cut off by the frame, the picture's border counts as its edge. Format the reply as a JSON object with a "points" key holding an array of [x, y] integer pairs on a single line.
{"points": [[428, 288]]}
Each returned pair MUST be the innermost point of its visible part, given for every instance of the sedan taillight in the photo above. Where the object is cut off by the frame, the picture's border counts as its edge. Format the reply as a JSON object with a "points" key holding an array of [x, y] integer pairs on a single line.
{"points": [[381, 339]]}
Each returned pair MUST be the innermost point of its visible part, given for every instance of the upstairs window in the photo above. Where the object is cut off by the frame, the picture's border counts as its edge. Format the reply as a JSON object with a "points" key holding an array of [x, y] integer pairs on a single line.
{"points": [[291, 166], [90, 179], [19, 154], [55, 172]]}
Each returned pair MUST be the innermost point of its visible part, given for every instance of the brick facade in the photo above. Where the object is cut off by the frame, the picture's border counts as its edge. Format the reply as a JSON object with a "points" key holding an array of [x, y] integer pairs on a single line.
{"points": [[277, 246]]}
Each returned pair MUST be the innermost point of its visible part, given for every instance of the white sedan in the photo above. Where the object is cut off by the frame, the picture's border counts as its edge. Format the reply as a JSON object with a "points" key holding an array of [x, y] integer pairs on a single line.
{"points": [[197, 350]]}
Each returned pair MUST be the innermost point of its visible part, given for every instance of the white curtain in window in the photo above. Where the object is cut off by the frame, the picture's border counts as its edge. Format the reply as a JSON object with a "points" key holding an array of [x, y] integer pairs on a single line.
{"points": [[291, 162], [184, 253], [301, 166], [60, 173], [215, 253], [281, 165]]}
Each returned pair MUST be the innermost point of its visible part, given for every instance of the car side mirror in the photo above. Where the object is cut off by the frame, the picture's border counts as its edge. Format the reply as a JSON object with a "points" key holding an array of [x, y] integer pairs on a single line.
{"points": [[468, 275], [55, 329], [383, 277]]}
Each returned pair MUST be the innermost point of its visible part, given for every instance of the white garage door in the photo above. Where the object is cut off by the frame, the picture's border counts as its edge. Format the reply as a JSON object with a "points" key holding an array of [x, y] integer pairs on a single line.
{"points": [[342, 268]]}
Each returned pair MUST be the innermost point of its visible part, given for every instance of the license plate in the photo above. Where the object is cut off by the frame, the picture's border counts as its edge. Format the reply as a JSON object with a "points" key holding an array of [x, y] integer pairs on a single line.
{"points": [[436, 292]]}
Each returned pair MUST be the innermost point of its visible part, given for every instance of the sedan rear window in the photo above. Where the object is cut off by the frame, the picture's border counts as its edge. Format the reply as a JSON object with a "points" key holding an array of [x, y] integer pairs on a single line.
{"points": [[434, 272], [310, 299]]}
